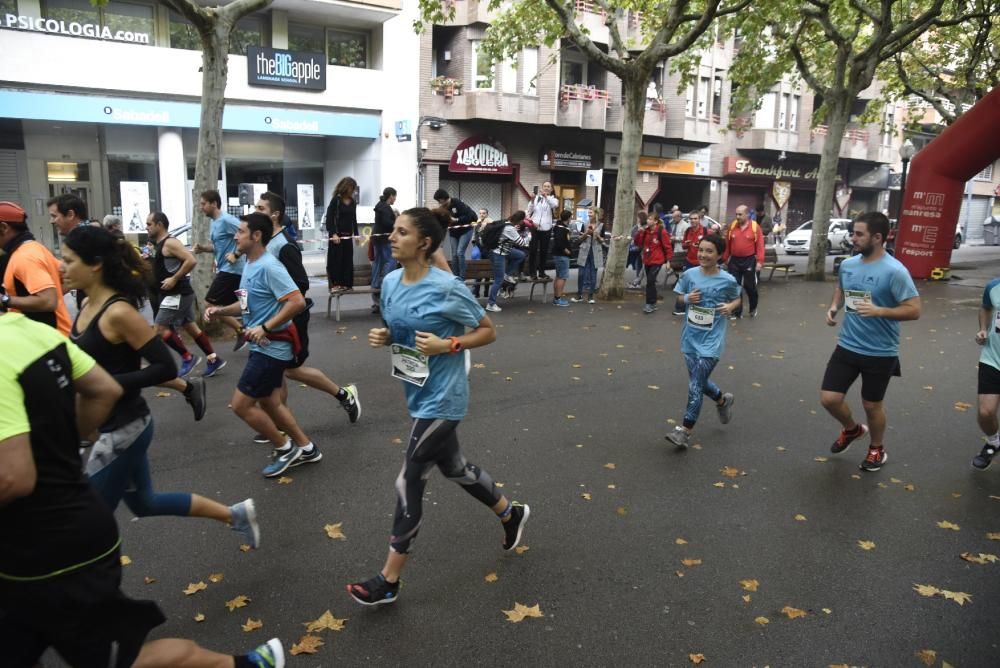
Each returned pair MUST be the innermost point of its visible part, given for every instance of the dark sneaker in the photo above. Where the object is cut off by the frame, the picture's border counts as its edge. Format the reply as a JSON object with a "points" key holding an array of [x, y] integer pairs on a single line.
{"points": [[261, 438], [847, 437], [679, 437], [282, 460], [352, 404], [726, 408], [374, 592], [648, 308], [240, 343], [196, 397], [875, 459], [269, 655], [983, 460], [514, 527], [244, 521], [753, 313], [576, 300], [213, 367], [188, 365], [676, 312], [308, 457]]}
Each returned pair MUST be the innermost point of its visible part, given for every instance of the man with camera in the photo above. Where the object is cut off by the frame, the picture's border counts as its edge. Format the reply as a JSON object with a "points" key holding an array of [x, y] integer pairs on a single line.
{"points": [[541, 211]]}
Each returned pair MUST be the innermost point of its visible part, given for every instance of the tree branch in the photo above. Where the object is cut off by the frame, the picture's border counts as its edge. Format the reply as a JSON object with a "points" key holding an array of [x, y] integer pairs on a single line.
{"points": [[616, 38], [568, 18], [802, 65], [863, 9]]}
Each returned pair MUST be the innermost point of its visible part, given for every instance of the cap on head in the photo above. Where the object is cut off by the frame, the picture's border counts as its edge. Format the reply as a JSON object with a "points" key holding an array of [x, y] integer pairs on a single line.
{"points": [[12, 213]]}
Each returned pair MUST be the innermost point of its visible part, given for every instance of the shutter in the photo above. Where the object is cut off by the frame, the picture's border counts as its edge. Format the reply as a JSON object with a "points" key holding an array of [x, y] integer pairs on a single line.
{"points": [[477, 195], [10, 185], [972, 216]]}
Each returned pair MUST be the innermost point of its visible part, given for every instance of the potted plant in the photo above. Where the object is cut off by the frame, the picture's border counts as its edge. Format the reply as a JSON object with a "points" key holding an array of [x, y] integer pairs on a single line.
{"points": [[446, 85]]}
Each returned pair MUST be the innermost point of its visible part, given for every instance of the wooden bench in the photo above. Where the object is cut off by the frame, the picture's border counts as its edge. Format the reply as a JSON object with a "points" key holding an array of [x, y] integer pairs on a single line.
{"points": [[771, 262], [482, 270], [362, 286]]}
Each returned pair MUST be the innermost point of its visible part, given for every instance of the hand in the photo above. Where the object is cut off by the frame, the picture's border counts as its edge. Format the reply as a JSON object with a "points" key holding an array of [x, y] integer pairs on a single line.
{"points": [[231, 258], [168, 283], [981, 337], [335, 238], [694, 297], [378, 337], [726, 309], [209, 312], [429, 344], [197, 248], [831, 316], [759, 266], [867, 310], [257, 335]]}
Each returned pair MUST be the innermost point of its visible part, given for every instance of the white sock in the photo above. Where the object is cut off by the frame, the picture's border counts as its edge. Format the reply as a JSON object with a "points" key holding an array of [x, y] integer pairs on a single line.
{"points": [[993, 440], [308, 448]]}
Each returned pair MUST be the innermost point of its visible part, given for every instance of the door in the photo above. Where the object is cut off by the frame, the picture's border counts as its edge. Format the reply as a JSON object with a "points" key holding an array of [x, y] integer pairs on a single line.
{"points": [[81, 190], [567, 198]]}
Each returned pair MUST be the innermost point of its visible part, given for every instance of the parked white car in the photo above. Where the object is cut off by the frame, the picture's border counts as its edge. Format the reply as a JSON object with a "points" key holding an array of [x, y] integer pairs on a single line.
{"points": [[799, 239]]}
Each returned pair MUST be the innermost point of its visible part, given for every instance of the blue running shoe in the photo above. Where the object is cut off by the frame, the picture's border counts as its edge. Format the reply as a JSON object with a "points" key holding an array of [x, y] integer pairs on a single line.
{"points": [[244, 520], [281, 462], [188, 365], [213, 366], [269, 655]]}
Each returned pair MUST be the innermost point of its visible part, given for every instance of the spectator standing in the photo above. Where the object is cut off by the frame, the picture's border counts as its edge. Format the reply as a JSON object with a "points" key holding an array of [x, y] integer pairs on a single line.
{"points": [[113, 224], [460, 228], [745, 256], [561, 252], [541, 210], [483, 220], [342, 227], [657, 249], [382, 262], [590, 257], [765, 222], [692, 239], [634, 261]]}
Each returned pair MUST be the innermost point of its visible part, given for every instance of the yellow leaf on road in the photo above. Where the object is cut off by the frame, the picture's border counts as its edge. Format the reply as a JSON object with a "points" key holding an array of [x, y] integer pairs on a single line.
{"points": [[729, 471], [821, 459], [570, 417], [625, 327], [926, 590], [691, 562], [306, 645], [800, 518], [763, 621], [216, 578], [718, 484], [238, 602], [653, 387], [679, 574], [680, 541], [521, 549], [334, 531], [199, 617], [961, 406], [756, 384], [325, 621], [577, 366], [194, 588], [981, 558], [959, 597], [148, 580], [993, 536], [284, 480], [792, 613], [585, 496], [125, 560], [609, 465], [622, 511], [163, 395], [478, 365], [866, 545], [927, 656], [749, 585], [909, 487], [520, 612], [251, 625], [696, 658], [746, 598], [245, 548], [948, 525], [491, 576]]}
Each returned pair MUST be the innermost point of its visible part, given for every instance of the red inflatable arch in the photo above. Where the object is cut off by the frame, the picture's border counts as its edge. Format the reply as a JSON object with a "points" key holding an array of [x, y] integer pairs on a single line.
{"points": [[936, 184]]}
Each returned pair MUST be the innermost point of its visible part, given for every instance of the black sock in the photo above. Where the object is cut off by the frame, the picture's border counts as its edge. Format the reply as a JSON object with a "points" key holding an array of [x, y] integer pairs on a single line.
{"points": [[243, 661], [857, 428], [341, 395]]}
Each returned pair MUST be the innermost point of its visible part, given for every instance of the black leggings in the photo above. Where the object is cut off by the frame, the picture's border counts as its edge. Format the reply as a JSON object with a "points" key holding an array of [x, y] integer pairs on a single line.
{"points": [[433, 443]]}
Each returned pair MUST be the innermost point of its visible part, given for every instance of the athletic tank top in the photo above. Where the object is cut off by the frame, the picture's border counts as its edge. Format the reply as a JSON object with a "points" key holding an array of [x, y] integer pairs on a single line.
{"points": [[164, 267], [115, 358]]}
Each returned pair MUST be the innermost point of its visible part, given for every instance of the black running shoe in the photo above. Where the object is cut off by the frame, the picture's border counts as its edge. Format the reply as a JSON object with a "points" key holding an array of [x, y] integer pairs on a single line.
{"points": [[514, 527], [241, 342], [983, 460], [352, 404], [374, 592], [196, 397], [875, 460], [846, 438]]}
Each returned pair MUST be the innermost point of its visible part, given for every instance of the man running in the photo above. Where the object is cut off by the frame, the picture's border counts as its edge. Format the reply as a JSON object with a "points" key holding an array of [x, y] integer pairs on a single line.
{"points": [[988, 336], [172, 297], [268, 300], [878, 293], [228, 261], [745, 257]]}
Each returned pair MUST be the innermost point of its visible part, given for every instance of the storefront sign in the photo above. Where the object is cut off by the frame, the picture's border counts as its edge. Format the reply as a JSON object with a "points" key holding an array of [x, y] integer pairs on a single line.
{"points": [[568, 160], [71, 28], [285, 69], [135, 205], [666, 165], [306, 204], [735, 165], [876, 179], [480, 155], [781, 191]]}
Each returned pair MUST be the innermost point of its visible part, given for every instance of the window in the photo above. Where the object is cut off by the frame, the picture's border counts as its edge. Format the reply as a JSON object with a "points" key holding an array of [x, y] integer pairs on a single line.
{"points": [[347, 49], [793, 113], [888, 125], [126, 16], [717, 96], [985, 175], [248, 31], [703, 97], [306, 38], [689, 101], [182, 34], [529, 70], [508, 80], [124, 19], [482, 69], [8, 6], [72, 10], [764, 118], [782, 111]]}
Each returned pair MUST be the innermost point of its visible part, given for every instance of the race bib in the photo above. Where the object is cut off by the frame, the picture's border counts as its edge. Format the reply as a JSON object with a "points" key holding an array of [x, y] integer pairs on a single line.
{"points": [[409, 365], [996, 322], [241, 294], [853, 297], [700, 316], [171, 302]]}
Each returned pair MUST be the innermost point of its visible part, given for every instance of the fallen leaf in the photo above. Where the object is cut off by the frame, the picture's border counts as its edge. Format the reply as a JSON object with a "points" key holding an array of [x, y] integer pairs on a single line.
{"points": [[148, 580], [577, 366], [895, 480], [625, 327], [521, 611], [622, 511], [948, 525], [653, 387], [199, 617], [993, 536], [729, 471], [866, 545], [856, 476], [981, 558], [585, 496], [334, 531], [995, 498], [926, 590], [763, 621], [827, 610], [216, 578], [521, 549], [251, 625], [397, 441], [508, 379], [679, 574], [800, 518], [928, 387], [821, 459], [611, 466], [718, 484], [245, 548], [961, 406], [306, 645], [680, 541], [284, 480], [491, 576], [125, 560], [570, 417], [959, 597], [927, 656], [780, 448], [612, 486], [498, 484], [756, 384], [909, 487], [696, 658], [478, 365], [691, 562], [749, 585], [792, 613], [956, 495], [574, 378], [325, 621], [163, 395], [746, 598], [195, 588], [671, 421], [238, 602]]}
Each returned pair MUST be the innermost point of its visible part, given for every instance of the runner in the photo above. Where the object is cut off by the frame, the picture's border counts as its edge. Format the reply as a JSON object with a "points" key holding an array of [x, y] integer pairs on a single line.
{"points": [[988, 336], [426, 312], [268, 300], [112, 331], [60, 578], [878, 293], [228, 261], [707, 296]]}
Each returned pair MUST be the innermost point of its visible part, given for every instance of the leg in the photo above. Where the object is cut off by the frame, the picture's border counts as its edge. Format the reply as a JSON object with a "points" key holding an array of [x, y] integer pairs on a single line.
{"points": [[543, 251], [515, 260], [750, 278], [201, 339], [533, 246], [841, 372], [699, 369], [178, 653], [281, 416], [246, 409], [463, 247], [836, 406], [987, 414], [314, 378], [170, 337], [875, 412], [499, 268], [651, 271]]}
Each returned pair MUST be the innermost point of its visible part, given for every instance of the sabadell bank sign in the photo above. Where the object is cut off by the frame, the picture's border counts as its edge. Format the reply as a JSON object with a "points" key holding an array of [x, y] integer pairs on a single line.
{"points": [[480, 155], [286, 69]]}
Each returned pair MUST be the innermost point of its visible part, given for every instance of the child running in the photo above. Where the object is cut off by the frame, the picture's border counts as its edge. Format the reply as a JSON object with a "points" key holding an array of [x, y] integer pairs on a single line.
{"points": [[707, 295], [426, 311]]}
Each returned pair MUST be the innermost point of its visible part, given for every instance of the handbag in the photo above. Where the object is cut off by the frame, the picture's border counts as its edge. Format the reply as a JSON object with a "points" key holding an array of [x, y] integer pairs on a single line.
{"points": [[476, 253]]}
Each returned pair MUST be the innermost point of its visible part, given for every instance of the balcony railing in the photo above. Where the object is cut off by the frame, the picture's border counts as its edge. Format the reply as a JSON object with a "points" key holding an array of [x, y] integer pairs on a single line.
{"points": [[590, 7], [580, 92], [856, 135]]}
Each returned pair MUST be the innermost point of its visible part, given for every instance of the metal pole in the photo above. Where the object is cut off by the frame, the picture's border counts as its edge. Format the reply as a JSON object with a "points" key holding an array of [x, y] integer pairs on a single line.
{"points": [[902, 191]]}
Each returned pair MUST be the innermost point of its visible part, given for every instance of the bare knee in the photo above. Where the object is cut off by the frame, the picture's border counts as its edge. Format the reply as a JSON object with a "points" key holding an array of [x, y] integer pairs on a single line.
{"points": [[831, 400], [871, 407], [168, 652]]}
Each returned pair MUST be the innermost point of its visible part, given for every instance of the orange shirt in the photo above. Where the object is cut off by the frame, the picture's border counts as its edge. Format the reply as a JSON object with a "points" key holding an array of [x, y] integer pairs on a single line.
{"points": [[33, 268], [745, 241]]}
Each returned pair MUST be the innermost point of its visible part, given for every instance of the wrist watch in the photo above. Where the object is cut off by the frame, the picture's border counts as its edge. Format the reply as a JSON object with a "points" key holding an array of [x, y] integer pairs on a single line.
{"points": [[263, 326], [456, 345]]}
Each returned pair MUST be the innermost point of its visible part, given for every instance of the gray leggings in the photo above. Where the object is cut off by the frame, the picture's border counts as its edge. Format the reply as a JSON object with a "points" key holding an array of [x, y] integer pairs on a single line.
{"points": [[433, 443]]}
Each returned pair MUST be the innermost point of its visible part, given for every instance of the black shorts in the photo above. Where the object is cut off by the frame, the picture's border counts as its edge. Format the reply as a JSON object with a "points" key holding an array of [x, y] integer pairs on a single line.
{"points": [[222, 292], [301, 322], [845, 366], [81, 614], [262, 375], [989, 379]]}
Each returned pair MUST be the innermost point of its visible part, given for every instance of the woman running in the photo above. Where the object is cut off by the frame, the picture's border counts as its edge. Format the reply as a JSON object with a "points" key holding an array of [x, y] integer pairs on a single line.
{"points": [[426, 311], [707, 295], [110, 328]]}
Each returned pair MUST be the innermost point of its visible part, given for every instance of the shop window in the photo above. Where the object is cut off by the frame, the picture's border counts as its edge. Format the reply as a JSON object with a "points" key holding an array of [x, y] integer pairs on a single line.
{"points": [[482, 69], [122, 18], [182, 34], [347, 49], [126, 16], [248, 31], [79, 11], [8, 7], [306, 38], [529, 70]]}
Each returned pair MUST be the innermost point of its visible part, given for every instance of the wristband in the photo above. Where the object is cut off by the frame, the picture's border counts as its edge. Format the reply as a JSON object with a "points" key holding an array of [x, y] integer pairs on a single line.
{"points": [[263, 326], [456, 345]]}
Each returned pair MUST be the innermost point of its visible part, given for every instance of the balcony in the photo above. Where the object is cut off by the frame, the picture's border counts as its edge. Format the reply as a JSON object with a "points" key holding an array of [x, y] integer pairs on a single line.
{"points": [[654, 121], [583, 107], [771, 139], [486, 104], [853, 147], [468, 12]]}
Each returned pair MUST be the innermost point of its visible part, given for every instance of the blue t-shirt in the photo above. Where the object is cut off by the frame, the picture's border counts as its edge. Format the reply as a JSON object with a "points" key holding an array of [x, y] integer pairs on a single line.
{"points": [[440, 304], [264, 282], [224, 239], [885, 282], [699, 339], [991, 302], [276, 243]]}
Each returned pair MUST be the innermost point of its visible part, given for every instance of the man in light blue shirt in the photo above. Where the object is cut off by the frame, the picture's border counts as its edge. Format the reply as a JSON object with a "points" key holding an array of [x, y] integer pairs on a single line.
{"points": [[228, 260], [988, 337], [878, 294]]}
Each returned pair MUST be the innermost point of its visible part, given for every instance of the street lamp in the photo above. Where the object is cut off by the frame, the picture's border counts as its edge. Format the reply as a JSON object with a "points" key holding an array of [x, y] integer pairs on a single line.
{"points": [[435, 123], [906, 153]]}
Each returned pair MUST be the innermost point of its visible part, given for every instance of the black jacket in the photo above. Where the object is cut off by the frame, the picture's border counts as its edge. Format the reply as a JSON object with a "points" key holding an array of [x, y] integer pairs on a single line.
{"points": [[385, 217], [464, 214]]}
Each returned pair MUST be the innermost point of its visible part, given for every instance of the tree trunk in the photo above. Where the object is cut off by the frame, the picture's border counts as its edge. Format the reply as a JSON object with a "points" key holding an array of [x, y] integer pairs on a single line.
{"points": [[839, 111], [215, 69], [613, 284]]}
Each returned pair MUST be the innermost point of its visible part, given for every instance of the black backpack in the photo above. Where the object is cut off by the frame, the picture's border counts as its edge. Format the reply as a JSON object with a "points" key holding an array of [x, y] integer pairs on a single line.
{"points": [[489, 236]]}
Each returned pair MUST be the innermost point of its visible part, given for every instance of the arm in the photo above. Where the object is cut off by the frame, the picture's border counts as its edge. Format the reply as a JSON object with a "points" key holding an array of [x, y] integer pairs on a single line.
{"points": [[907, 310], [43, 301], [483, 335], [233, 309], [836, 303], [291, 305], [17, 468], [187, 259], [140, 337], [97, 394], [207, 247], [760, 247], [985, 315]]}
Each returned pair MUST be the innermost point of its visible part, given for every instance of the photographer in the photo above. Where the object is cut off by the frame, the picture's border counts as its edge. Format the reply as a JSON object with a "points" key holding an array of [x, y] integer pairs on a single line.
{"points": [[541, 211]]}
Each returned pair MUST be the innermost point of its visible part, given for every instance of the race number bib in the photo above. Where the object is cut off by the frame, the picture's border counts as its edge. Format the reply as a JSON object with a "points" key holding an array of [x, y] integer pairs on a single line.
{"points": [[241, 294], [854, 297], [996, 322], [409, 365], [171, 302], [701, 317]]}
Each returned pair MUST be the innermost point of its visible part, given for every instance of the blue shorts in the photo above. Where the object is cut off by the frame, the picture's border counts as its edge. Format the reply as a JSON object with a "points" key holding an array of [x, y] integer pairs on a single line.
{"points": [[562, 266], [262, 375]]}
